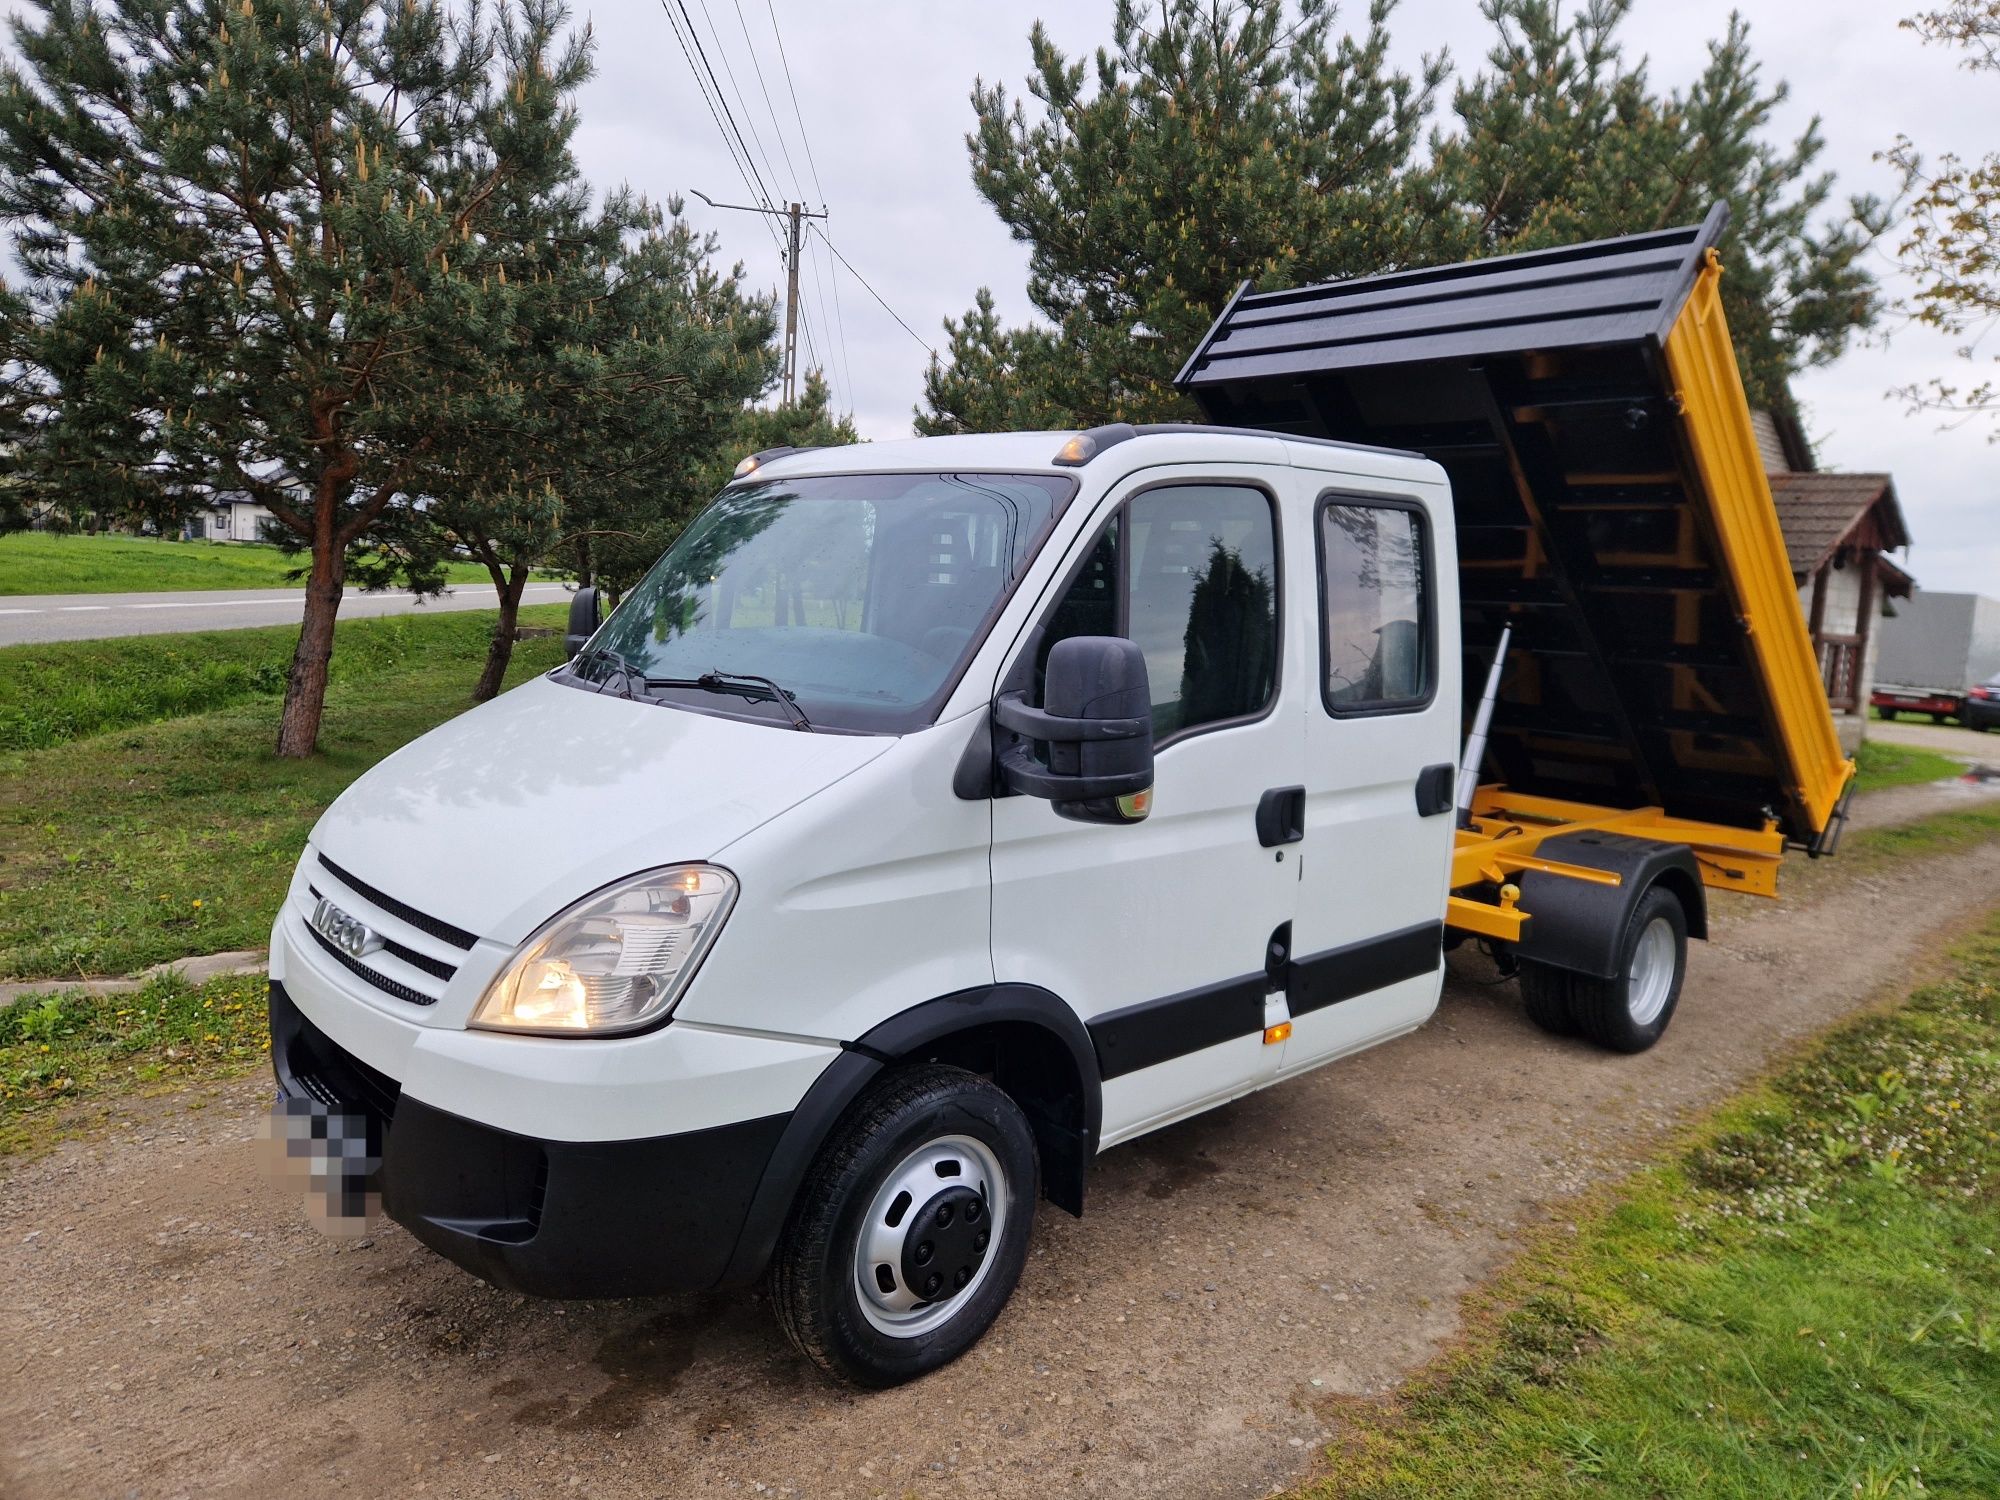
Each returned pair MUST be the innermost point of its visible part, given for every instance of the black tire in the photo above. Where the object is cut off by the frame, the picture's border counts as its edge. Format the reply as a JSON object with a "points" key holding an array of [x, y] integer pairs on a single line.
{"points": [[814, 1274], [1545, 993], [1885, 713], [1603, 1008]]}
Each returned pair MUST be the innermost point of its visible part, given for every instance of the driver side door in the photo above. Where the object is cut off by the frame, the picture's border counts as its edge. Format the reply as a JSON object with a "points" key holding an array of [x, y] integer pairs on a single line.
{"points": [[1158, 933]]}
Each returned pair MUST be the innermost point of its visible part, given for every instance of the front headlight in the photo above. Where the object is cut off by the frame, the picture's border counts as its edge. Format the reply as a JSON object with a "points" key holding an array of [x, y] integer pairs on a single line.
{"points": [[614, 962]]}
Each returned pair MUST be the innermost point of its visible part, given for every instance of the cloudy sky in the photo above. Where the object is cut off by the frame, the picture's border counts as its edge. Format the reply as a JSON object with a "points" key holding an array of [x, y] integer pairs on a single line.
{"points": [[882, 90]]}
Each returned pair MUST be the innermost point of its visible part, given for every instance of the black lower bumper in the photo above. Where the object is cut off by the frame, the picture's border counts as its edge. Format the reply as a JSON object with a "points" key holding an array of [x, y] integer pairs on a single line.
{"points": [[549, 1218]]}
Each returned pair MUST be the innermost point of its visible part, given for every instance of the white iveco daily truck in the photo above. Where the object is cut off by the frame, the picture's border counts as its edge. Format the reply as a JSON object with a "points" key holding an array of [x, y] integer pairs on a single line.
{"points": [[936, 815]]}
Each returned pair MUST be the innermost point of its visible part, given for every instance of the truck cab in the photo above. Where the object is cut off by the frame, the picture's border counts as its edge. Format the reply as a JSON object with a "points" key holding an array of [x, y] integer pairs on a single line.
{"points": [[754, 931]]}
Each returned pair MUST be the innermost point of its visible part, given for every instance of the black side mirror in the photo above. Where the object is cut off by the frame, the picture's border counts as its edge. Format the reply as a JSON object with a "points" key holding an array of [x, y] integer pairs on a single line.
{"points": [[586, 613], [1097, 720]]}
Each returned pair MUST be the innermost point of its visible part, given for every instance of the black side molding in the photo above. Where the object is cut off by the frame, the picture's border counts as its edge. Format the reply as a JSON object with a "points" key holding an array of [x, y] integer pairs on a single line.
{"points": [[1157, 1031], [1356, 969]]}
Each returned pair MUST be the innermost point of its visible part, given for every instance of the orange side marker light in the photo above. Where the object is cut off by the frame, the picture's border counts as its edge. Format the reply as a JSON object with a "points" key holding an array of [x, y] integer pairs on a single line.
{"points": [[1282, 1032]]}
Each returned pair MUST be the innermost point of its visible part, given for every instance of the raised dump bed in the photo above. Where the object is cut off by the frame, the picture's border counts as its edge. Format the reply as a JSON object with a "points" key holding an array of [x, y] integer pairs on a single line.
{"points": [[1611, 507]]}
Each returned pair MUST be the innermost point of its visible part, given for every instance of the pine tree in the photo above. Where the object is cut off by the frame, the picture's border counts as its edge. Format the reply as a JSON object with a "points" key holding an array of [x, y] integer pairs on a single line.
{"points": [[627, 361], [1561, 139], [1215, 140], [262, 239]]}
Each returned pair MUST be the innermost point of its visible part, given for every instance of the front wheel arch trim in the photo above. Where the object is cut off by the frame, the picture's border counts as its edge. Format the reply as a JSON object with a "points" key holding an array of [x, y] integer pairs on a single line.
{"points": [[936, 1028]]}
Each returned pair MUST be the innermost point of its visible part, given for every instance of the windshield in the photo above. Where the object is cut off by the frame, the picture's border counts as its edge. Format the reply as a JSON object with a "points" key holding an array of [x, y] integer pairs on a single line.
{"points": [[859, 596]]}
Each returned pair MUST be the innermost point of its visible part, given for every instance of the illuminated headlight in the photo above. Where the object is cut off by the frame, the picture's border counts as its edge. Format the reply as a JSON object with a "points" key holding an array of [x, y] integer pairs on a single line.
{"points": [[614, 962]]}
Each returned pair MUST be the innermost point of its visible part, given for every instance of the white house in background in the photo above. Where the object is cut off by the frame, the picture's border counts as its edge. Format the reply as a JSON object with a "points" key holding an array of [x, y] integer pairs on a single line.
{"points": [[229, 521]]}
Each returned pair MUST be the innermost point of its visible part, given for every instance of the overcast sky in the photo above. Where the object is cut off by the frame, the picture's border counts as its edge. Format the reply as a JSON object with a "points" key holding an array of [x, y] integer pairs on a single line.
{"points": [[883, 89]]}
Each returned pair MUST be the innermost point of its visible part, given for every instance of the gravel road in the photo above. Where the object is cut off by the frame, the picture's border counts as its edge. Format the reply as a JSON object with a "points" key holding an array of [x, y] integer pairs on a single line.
{"points": [[169, 1330], [31, 619]]}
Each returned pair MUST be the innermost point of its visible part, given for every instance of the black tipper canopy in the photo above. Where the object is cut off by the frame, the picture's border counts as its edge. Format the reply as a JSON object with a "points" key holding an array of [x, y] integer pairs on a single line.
{"points": [[1539, 382]]}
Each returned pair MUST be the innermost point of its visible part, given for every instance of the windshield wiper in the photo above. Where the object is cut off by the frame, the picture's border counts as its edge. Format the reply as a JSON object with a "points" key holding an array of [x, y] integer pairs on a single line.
{"points": [[737, 682], [628, 672]]}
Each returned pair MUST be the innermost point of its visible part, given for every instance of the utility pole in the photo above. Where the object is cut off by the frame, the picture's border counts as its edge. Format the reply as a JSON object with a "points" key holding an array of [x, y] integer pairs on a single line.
{"points": [[795, 215]]}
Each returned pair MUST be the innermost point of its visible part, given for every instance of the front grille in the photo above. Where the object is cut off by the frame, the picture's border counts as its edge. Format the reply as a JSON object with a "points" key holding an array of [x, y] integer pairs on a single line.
{"points": [[418, 955], [381, 981], [458, 937], [407, 954]]}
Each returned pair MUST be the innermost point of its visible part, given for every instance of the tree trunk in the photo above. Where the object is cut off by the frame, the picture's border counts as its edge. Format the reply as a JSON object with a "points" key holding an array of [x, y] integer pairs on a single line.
{"points": [[500, 650], [583, 569], [305, 689]]}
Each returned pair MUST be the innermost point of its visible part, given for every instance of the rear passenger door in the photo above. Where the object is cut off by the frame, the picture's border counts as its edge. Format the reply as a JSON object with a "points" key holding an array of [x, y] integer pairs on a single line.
{"points": [[1367, 957], [1157, 933]]}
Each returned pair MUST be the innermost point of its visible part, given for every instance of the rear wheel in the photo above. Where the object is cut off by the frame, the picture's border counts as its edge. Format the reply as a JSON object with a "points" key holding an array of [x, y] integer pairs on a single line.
{"points": [[1545, 993], [1630, 1012], [912, 1228]]}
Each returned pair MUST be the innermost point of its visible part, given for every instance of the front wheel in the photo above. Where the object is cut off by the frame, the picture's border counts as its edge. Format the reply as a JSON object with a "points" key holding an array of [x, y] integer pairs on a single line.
{"points": [[911, 1230], [1630, 1012]]}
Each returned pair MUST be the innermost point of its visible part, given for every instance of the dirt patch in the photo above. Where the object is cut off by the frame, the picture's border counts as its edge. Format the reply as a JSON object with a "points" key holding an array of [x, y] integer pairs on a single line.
{"points": [[169, 1330]]}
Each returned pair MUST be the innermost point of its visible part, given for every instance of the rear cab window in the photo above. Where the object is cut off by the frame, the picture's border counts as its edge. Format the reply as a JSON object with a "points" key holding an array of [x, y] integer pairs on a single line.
{"points": [[1378, 627]]}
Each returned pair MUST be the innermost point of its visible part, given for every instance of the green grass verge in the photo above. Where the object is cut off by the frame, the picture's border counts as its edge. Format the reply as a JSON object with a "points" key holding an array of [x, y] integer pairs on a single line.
{"points": [[1804, 1302], [177, 837], [41, 562], [1881, 764], [68, 1061], [1943, 834], [69, 690]]}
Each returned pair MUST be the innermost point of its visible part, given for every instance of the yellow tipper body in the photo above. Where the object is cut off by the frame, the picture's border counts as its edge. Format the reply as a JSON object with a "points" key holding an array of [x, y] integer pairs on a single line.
{"points": [[1709, 389]]}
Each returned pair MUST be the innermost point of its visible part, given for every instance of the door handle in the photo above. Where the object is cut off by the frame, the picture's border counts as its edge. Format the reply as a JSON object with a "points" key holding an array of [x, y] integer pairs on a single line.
{"points": [[1437, 789], [1281, 816]]}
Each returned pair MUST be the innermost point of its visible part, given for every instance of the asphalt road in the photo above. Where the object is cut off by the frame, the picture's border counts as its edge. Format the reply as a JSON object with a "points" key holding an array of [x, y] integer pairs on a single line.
{"points": [[31, 619]]}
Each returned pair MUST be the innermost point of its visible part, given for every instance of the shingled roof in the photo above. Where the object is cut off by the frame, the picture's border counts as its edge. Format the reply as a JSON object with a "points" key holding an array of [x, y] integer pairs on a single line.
{"points": [[1819, 512]]}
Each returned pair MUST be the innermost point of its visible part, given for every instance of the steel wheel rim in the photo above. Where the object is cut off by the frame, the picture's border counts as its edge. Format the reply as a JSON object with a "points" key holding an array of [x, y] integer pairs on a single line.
{"points": [[1650, 977], [898, 1309]]}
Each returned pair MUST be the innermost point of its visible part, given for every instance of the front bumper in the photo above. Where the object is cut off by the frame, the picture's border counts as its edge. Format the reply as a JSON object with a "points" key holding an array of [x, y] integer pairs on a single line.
{"points": [[616, 1218]]}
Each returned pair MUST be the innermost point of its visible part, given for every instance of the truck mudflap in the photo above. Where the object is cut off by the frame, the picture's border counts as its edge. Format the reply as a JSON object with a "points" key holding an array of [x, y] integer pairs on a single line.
{"points": [[1579, 925], [1611, 506]]}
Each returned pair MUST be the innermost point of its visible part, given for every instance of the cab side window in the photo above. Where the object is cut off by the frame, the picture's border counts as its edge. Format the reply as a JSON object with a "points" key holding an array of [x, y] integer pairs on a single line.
{"points": [[1379, 645], [1188, 572]]}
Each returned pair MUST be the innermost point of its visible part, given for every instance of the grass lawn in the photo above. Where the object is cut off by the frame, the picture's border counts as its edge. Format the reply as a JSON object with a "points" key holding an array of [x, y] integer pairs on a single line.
{"points": [[1882, 764], [41, 562], [161, 839], [68, 1061], [1804, 1301]]}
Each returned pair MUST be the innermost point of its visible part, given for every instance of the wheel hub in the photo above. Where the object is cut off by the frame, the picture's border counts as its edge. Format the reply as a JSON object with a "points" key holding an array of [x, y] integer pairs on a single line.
{"points": [[923, 1243], [946, 1244]]}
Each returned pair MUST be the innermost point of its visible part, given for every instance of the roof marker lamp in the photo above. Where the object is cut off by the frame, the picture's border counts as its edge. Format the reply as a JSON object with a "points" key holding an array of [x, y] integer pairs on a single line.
{"points": [[745, 467], [615, 962]]}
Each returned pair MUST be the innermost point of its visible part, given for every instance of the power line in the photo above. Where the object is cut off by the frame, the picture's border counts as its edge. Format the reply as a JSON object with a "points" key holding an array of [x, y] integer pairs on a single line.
{"points": [[804, 139], [744, 168], [840, 327], [729, 70], [769, 108], [871, 290], [758, 190]]}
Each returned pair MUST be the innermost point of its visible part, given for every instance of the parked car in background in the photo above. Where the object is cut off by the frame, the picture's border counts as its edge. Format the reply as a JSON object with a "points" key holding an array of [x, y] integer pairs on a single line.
{"points": [[1981, 707]]}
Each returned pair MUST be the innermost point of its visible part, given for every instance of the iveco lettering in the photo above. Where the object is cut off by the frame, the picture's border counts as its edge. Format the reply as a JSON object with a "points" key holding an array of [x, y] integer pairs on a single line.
{"points": [[936, 815]]}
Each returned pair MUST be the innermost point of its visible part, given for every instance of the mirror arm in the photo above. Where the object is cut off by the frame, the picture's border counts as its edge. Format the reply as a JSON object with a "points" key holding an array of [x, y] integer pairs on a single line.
{"points": [[1023, 773], [1013, 713]]}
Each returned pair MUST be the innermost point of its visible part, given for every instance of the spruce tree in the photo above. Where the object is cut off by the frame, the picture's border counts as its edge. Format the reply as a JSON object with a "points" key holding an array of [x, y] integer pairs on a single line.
{"points": [[262, 240]]}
